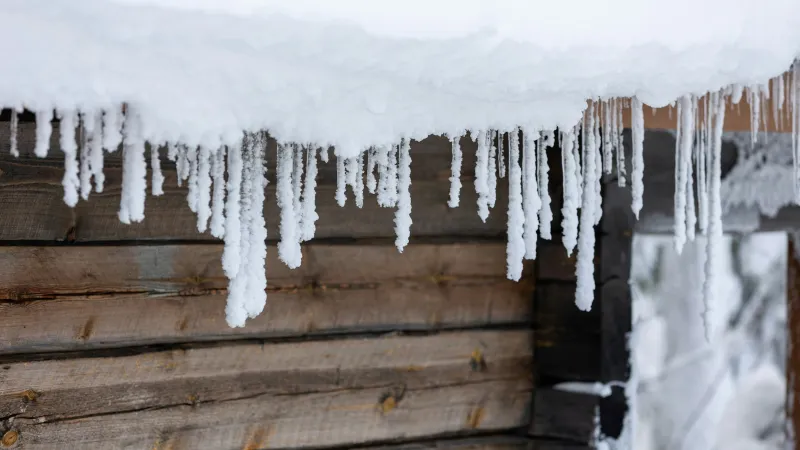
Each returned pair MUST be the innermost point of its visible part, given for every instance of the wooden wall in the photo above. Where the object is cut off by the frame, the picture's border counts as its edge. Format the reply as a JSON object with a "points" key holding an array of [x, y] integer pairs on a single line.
{"points": [[113, 336]]}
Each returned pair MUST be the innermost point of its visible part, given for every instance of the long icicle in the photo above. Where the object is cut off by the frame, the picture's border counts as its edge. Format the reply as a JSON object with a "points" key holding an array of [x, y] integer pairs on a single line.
{"points": [[218, 197], [701, 160], [545, 213], [359, 182], [515, 248], [203, 199], [637, 162], [310, 215], [584, 268], [372, 182], [622, 171], [402, 217], [492, 171], [85, 125], [569, 222], [289, 245], [231, 257], [256, 290], [501, 165], [683, 151], [297, 185], [14, 130], [691, 216], [455, 172], [71, 181], [155, 167], [481, 175], [531, 202], [95, 144], [341, 181], [134, 171], [714, 242]]}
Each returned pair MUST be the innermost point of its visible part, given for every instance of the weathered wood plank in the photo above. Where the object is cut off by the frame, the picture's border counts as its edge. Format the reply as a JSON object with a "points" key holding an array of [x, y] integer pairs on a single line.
{"points": [[101, 321], [500, 442], [78, 298], [31, 199], [315, 420], [28, 272], [67, 388], [318, 393]]}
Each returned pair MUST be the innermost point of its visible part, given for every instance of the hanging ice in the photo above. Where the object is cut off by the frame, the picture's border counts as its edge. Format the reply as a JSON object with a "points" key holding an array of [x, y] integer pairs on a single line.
{"points": [[218, 197], [310, 196], [545, 213], [71, 181], [13, 133], [43, 131], [134, 172], [584, 267], [402, 217], [530, 193], [455, 172], [714, 241], [637, 140], [515, 248], [289, 245], [482, 174], [570, 221]]}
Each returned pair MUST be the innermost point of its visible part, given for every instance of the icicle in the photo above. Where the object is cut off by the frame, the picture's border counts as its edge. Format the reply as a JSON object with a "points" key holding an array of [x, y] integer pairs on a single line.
{"points": [[701, 158], [359, 185], [691, 216], [584, 268], [576, 156], [203, 186], [235, 310], [598, 168], [608, 151], [218, 198], [323, 154], [341, 181], [310, 215], [387, 185], [501, 165], [85, 124], [755, 113], [569, 211], [637, 141], [231, 255], [71, 181], [193, 194], [402, 217], [182, 166], [545, 213], [714, 242], [43, 131], [683, 157], [172, 152], [134, 172], [13, 140], [481, 175], [794, 98], [289, 245], [94, 142], [297, 185], [112, 126], [777, 95], [736, 93], [531, 202], [515, 248], [256, 281], [622, 173], [155, 166], [372, 182], [455, 172], [492, 172]]}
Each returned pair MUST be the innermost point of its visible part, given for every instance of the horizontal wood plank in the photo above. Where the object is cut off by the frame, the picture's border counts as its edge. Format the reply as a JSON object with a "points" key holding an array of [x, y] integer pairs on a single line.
{"points": [[79, 298], [564, 415], [321, 393], [31, 197]]}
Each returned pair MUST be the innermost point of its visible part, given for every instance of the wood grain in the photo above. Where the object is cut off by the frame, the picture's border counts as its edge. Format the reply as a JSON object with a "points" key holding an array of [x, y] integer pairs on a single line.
{"points": [[318, 393], [31, 199]]}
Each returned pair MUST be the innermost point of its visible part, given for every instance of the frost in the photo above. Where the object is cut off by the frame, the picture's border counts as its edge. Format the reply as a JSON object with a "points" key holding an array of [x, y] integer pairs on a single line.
{"points": [[501, 164], [231, 257], [341, 181]]}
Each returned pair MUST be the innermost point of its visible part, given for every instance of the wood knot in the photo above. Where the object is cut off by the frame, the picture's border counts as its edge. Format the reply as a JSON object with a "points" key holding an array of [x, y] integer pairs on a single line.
{"points": [[475, 417], [389, 400], [9, 438], [29, 395], [477, 362]]}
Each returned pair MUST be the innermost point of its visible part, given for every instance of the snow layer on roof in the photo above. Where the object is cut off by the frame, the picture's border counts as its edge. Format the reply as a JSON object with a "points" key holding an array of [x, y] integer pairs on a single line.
{"points": [[357, 73]]}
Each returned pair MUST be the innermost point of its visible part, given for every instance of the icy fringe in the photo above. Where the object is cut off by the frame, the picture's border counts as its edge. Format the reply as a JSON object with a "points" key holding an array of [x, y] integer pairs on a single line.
{"points": [[226, 185]]}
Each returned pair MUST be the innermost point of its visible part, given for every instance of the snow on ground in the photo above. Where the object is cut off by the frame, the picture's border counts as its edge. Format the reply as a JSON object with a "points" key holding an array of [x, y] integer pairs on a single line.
{"points": [[206, 79]]}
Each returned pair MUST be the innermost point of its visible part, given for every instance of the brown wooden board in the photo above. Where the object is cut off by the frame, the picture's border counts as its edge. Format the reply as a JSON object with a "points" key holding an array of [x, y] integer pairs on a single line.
{"points": [[80, 298], [320, 393], [31, 197], [566, 416]]}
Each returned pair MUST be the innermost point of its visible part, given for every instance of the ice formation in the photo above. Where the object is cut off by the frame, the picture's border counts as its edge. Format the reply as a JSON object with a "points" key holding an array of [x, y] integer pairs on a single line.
{"points": [[202, 83]]}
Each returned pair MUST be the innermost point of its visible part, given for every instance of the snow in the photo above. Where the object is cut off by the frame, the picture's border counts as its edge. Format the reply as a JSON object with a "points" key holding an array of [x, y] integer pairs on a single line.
{"points": [[356, 75]]}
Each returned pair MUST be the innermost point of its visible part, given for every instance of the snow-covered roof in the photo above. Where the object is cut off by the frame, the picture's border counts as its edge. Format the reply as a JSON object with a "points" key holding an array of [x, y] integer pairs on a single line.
{"points": [[369, 76]]}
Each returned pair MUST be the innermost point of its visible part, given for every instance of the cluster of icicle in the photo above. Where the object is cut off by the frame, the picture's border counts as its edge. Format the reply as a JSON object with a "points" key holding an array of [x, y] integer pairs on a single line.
{"points": [[226, 185]]}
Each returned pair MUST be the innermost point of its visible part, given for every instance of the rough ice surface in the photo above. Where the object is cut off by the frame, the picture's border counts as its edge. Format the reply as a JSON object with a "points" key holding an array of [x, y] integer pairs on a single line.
{"points": [[357, 75]]}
